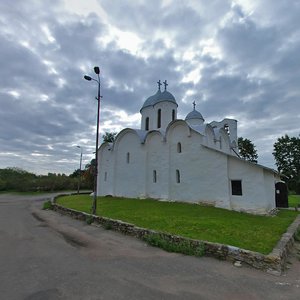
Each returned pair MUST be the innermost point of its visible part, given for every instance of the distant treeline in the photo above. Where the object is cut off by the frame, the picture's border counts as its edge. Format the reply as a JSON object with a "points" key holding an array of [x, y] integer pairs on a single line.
{"points": [[16, 179]]}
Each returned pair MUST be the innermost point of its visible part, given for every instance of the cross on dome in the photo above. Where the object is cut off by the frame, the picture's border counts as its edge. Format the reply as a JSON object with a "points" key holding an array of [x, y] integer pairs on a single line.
{"points": [[194, 105], [159, 84], [166, 84]]}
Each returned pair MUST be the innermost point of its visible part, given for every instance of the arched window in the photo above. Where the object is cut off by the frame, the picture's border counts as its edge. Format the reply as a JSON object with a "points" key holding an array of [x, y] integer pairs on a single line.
{"points": [[226, 128], [173, 114], [154, 176], [147, 124], [105, 176], [177, 176], [128, 157], [159, 118], [178, 147]]}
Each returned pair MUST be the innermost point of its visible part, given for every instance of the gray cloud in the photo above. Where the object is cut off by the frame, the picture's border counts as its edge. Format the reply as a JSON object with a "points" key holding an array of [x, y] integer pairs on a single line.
{"points": [[47, 108]]}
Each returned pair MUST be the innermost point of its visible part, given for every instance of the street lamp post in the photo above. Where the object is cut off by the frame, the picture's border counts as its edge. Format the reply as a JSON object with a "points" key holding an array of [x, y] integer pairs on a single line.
{"points": [[80, 164], [86, 77]]}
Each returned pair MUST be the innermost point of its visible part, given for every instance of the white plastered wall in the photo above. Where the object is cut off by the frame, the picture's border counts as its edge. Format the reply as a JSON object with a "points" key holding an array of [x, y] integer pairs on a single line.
{"points": [[129, 175], [157, 160], [258, 187], [203, 172], [105, 170]]}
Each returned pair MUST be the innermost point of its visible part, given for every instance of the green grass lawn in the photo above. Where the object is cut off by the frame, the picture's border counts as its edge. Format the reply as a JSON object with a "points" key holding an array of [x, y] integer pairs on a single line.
{"points": [[256, 233], [294, 200]]}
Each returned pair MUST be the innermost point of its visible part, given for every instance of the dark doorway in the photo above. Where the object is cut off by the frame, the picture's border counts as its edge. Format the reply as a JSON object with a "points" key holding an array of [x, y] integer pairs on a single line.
{"points": [[281, 195]]}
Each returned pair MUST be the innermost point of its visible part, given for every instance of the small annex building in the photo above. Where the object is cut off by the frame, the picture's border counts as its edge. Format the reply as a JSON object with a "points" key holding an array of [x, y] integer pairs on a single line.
{"points": [[183, 160]]}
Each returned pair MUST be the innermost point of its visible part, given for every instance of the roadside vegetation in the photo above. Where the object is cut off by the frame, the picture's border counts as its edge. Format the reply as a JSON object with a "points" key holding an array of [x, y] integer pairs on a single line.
{"points": [[19, 180], [256, 233]]}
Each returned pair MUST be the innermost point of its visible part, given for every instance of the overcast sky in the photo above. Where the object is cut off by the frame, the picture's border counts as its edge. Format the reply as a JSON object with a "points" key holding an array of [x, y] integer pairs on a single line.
{"points": [[238, 59]]}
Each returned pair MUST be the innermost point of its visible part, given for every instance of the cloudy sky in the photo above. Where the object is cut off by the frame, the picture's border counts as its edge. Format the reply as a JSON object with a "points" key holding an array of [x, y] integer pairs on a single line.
{"points": [[238, 59]]}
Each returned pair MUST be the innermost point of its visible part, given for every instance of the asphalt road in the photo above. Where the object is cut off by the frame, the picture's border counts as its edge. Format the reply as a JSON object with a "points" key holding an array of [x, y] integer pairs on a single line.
{"points": [[44, 255]]}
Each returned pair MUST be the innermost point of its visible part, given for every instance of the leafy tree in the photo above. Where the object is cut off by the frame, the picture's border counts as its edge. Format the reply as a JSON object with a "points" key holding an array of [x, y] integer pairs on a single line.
{"points": [[77, 173], [247, 150], [89, 173], [109, 137], [16, 179], [287, 156]]}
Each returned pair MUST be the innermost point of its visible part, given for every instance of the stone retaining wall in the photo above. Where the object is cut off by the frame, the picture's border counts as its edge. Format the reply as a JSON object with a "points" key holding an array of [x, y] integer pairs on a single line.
{"points": [[273, 263]]}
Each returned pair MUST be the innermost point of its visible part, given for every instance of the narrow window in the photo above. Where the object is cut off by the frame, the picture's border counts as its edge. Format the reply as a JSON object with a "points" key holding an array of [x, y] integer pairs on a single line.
{"points": [[236, 187], [178, 147], [128, 157], [173, 114], [147, 124], [159, 118], [154, 176], [226, 128], [177, 176], [105, 176]]}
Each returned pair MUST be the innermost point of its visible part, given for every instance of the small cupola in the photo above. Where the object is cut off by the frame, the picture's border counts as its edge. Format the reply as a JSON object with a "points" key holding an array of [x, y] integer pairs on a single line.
{"points": [[194, 117]]}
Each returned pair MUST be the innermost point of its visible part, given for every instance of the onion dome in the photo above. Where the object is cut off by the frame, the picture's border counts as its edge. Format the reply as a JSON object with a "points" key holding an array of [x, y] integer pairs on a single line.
{"points": [[152, 99], [194, 116], [159, 97]]}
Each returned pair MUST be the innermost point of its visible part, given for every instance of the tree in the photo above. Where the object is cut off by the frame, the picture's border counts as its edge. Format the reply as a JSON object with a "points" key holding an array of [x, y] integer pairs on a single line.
{"points": [[247, 150], [287, 156], [89, 173], [76, 173], [109, 137]]}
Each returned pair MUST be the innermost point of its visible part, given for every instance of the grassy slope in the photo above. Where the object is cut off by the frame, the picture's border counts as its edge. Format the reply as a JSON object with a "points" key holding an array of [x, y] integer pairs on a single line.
{"points": [[294, 200], [256, 233]]}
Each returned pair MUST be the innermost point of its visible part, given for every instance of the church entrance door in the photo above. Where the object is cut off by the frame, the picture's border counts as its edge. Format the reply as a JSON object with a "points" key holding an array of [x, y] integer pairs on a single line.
{"points": [[281, 194]]}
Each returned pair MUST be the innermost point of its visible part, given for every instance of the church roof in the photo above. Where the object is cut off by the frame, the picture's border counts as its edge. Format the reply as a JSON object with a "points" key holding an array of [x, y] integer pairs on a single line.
{"points": [[194, 114], [159, 97], [150, 101]]}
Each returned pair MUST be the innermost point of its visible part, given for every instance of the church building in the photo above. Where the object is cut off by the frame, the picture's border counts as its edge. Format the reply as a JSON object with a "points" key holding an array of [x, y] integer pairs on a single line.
{"points": [[183, 160]]}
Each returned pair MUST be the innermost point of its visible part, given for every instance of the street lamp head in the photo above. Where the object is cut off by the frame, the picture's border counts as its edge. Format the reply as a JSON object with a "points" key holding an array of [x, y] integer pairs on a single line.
{"points": [[86, 77], [97, 70], [78, 146]]}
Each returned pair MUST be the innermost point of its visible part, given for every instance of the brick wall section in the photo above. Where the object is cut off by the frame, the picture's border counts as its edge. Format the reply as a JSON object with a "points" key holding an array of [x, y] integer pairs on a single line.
{"points": [[273, 263]]}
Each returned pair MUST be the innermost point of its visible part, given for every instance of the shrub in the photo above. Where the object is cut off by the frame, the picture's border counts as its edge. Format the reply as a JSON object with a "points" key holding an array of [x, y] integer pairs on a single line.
{"points": [[47, 205], [89, 220], [183, 246], [107, 226]]}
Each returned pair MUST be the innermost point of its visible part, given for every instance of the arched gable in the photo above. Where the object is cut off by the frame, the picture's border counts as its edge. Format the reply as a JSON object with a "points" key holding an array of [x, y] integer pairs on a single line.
{"points": [[105, 147], [173, 126], [140, 135], [210, 135], [151, 133]]}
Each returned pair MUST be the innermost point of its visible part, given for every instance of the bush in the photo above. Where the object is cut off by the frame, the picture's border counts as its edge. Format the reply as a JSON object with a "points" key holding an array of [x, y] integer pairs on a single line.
{"points": [[107, 226], [47, 205], [89, 220], [183, 246]]}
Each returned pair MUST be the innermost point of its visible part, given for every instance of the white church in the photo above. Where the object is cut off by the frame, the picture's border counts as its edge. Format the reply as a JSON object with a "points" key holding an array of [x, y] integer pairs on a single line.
{"points": [[183, 160]]}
